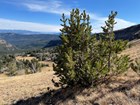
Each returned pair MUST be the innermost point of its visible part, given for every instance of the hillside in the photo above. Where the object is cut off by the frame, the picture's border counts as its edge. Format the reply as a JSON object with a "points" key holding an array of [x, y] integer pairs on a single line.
{"points": [[6, 47], [25, 32], [16, 88], [134, 50], [31, 41], [129, 33], [33, 89], [53, 43], [22, 40]]}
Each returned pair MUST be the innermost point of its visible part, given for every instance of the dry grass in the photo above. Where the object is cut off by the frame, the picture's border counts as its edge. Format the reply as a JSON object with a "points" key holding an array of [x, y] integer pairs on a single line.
{"points": [[49, 63], [122, 90], [50, 66], [24, 58], [134, 50], [3, 76], [15, 88]]}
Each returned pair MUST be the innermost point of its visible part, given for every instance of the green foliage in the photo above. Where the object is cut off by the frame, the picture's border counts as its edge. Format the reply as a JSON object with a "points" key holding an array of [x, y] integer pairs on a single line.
{"points": [[8, 65], [136, 66], [109, 49], [32, 66], [41, 54], [84, 59]]}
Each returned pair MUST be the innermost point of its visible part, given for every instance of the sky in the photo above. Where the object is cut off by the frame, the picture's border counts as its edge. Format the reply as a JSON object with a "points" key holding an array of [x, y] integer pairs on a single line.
{"points": [[44, 15]]}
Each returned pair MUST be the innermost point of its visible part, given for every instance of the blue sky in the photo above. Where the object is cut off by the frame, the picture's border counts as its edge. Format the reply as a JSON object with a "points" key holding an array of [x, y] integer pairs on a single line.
{"points": [[44, 15]]}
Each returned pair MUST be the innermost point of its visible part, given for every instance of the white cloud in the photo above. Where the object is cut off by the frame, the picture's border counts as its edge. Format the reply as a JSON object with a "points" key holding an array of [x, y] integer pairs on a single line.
{"points": [[98, 21], [20, 25], [121, 23], [56, 7]]}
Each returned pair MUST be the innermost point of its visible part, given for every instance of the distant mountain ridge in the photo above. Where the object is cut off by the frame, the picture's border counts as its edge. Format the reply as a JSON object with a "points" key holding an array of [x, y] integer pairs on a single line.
{"points": [[129, 33], [33, 41], [25, 32]]}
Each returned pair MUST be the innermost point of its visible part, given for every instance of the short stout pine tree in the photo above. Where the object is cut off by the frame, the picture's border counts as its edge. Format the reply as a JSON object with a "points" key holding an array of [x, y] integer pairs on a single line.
{"points": [[85, 59]]}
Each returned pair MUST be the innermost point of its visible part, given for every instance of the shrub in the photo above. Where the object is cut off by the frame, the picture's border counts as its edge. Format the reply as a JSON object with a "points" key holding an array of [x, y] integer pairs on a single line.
{"points": [[85, 59], [32, 66], [8, 65]]}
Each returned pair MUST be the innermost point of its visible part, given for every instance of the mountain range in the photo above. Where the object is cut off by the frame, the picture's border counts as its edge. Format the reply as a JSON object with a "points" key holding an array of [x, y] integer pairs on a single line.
{"points": [[23, 39], [129, 33], [31, 41], [25, 32]]}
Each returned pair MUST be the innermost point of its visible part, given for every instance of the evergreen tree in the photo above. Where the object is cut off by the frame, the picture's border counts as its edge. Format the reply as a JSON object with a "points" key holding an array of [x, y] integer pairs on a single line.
{"points": [[73, 60], [86, 59], [109, 49]]}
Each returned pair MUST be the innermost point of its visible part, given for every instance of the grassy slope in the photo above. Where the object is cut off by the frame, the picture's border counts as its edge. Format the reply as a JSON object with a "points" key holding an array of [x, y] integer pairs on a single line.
{"points": [[134, 51], [15, 88], [122, 90]]}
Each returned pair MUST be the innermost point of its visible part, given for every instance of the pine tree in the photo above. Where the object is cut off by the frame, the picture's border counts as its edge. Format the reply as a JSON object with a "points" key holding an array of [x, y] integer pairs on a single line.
{"points": [[73, 61], [111, 47], [86, 59]]}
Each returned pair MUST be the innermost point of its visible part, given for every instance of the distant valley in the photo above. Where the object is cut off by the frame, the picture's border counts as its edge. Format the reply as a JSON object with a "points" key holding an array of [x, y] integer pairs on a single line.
{"points": [[31, 41], [34, 40]]}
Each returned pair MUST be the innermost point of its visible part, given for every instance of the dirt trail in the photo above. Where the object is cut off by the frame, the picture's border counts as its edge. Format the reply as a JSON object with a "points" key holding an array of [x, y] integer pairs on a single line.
{"points": [[22, 87]]}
